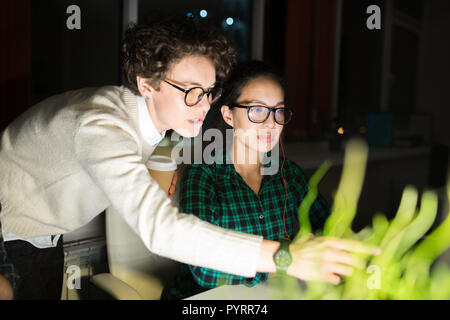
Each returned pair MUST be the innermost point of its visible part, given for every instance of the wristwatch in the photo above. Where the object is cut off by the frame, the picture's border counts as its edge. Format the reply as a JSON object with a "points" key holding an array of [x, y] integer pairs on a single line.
{"points": [[283, 257]]}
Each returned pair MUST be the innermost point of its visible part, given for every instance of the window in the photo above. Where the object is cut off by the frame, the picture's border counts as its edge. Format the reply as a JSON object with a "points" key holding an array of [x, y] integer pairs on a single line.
{"points": [[233, 16]]}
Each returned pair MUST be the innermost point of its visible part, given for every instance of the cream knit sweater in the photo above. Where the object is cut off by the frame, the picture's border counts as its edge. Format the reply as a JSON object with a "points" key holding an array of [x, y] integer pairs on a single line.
{"points": [[68, 158]]}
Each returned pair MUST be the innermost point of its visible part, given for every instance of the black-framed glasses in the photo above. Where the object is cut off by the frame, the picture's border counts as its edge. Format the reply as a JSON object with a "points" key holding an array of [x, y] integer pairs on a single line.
{"points": [[259, 114], [195, 95]]}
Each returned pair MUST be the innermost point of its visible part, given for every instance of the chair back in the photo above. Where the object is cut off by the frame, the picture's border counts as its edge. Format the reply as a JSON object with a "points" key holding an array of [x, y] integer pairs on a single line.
{"points": [[130, 261]]}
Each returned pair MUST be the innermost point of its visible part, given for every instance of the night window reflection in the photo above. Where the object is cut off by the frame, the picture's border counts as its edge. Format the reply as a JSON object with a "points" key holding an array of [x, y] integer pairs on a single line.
{"points": [[233, 16]]}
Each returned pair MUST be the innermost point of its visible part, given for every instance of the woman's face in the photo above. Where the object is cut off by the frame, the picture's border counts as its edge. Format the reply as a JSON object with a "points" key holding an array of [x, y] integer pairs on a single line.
{"points": [[169, 102], [260, 137]]}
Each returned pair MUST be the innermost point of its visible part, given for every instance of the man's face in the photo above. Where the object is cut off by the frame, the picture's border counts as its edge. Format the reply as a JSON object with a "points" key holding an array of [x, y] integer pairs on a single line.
{"points": [[169, 102]]}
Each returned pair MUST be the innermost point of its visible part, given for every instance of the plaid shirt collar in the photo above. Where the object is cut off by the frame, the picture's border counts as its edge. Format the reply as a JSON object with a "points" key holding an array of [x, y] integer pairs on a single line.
{"points": [[226, 167]]}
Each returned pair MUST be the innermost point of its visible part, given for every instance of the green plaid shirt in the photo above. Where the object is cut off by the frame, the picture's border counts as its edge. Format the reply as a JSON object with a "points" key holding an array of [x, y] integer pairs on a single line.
{"points": [[217, 193]]}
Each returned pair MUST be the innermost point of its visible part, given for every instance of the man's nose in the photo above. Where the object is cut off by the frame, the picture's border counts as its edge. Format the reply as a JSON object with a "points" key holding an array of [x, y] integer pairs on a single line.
{"points": [[204, 103]]}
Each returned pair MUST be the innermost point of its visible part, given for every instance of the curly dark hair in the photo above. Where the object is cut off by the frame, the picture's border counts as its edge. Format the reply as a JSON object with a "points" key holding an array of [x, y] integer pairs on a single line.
{"points": [[149, 50]]}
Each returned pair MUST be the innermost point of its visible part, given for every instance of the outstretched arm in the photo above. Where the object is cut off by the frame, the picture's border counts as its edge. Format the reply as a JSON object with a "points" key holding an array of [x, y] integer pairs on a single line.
{"points": [[319, 259]]}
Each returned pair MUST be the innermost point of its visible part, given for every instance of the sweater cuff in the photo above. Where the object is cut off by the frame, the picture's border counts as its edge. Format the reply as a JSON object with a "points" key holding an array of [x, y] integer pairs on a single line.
{"points": [[200, 243], [227, 250]]}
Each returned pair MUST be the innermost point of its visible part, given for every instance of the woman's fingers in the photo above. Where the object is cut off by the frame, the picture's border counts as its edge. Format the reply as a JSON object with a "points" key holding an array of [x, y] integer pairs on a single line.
{"points": [[174, 180], [326, 259], [331, 272], [332, 278], [171, 191], [337, 268], [337, 250], [353, 246], [338, 256], [173, 185]]}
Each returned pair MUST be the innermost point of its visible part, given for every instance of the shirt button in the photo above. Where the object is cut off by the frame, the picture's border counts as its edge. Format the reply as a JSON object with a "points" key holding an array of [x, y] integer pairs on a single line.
{"points": [[261, 216]]}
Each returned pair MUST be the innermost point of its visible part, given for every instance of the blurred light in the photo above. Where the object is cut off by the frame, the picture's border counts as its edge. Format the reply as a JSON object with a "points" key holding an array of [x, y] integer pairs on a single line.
{"points": [[229, 21], [189, 15], [341, 130], [203, 13]]}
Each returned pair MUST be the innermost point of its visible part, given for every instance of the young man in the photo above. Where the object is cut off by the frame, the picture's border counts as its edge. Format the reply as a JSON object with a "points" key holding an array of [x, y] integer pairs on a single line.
{"points": [[70, 157]]}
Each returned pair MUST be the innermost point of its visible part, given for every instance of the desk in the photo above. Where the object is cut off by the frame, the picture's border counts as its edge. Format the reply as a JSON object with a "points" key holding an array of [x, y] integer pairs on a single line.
{"points": [[261, 291], [237, 292]]}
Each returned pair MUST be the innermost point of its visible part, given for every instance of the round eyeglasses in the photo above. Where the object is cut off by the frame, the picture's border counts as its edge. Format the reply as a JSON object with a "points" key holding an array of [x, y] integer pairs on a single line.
{"points": [[195, 95], [259, 114]]}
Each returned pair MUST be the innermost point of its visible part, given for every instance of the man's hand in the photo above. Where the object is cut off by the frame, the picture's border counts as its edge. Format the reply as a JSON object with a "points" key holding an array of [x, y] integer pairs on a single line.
{"points": [[325, 259], [173, 185]]}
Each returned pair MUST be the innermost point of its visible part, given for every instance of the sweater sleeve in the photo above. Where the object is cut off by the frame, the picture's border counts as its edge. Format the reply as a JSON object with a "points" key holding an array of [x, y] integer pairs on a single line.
{"points": [[107, 149], [198, 197]]}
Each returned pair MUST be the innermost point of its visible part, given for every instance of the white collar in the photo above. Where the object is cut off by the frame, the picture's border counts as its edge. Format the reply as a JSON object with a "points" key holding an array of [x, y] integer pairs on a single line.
{"points": [[148, 129]]}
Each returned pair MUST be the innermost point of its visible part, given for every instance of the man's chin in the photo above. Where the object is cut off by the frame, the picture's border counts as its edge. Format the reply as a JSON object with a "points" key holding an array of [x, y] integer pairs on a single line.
{"points": [[188, 133]]}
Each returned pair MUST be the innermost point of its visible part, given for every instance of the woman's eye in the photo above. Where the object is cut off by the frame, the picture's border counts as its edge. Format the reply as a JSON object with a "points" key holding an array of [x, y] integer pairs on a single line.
{"points": [[258, 109]]}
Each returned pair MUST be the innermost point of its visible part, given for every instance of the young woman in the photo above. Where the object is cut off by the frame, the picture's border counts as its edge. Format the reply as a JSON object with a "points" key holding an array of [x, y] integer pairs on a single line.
{"points": [[237, 194]]}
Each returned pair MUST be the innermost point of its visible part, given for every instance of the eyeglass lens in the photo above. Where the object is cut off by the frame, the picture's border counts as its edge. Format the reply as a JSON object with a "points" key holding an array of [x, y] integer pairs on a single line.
{"points": [[196, 94], [260, 114]]}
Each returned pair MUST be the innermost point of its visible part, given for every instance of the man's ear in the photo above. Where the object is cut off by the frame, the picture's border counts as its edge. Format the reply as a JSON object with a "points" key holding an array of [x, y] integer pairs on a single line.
{"points": [[144, 86], [227, 115]]}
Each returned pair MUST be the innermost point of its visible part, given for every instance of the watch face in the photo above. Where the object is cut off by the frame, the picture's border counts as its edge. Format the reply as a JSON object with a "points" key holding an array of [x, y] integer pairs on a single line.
{"points": [[283, 259]]}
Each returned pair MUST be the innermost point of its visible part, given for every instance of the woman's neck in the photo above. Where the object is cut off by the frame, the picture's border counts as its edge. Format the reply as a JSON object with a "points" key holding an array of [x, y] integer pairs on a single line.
{"points": [[247, 162]]}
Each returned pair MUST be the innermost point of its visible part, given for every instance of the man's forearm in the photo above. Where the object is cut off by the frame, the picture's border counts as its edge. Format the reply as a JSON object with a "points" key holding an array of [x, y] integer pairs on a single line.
{"points": [[265, 261]]}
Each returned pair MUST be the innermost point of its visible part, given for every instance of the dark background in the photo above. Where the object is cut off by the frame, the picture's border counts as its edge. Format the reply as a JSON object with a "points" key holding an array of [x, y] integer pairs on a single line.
{"points": [[336, 68]]}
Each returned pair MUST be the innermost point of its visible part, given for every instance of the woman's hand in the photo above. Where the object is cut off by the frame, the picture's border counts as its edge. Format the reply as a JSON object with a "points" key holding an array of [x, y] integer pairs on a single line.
{"points": [[173, 185], [325, 259]]}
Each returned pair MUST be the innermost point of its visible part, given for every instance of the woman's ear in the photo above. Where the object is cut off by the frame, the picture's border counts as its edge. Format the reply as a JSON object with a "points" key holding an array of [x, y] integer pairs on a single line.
{"points": [[144, 87], [227, 115]]}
